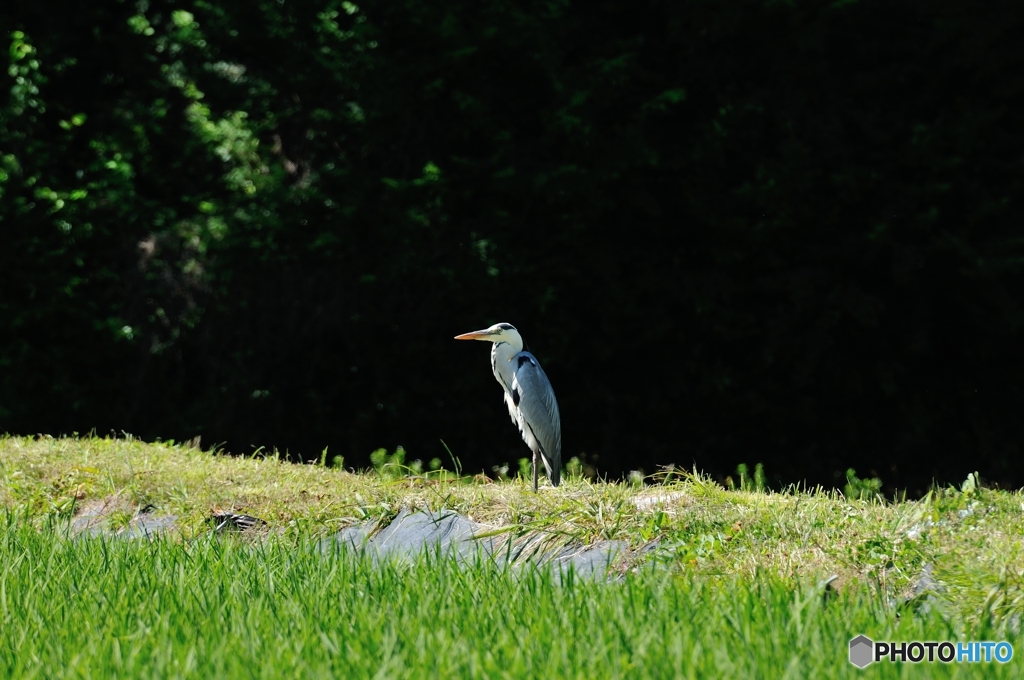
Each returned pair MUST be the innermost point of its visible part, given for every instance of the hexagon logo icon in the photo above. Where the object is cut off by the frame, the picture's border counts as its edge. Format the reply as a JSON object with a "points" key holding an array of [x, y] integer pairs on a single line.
{"points": [[861, 651]]}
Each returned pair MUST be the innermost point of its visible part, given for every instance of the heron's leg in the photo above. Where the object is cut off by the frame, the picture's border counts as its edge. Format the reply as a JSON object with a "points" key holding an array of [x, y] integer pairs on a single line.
{"points": [[535, 472]]}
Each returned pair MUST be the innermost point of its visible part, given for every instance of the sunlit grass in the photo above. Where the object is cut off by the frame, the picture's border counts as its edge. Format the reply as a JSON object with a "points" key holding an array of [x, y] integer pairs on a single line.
{"points": [[282, 607], [687, 526]]}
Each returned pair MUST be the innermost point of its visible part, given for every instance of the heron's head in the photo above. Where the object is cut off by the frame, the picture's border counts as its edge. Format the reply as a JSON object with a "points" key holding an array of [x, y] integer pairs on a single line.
{"points": [[499, 332]]}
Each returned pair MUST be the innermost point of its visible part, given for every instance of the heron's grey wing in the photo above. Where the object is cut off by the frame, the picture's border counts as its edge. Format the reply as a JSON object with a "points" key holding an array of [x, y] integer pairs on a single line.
{"points": [[538, 408]]}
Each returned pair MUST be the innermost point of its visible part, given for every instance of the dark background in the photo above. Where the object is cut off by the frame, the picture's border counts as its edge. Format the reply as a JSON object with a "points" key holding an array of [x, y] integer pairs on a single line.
{"points": [[756, 231]]}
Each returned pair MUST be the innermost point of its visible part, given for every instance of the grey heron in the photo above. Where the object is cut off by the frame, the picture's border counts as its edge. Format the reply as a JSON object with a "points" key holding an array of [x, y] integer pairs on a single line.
{"points": [[528, 395]]}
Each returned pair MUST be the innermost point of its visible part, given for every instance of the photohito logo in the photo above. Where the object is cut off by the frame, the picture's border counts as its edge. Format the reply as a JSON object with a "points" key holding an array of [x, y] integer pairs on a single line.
{"points": [[864, 651]]}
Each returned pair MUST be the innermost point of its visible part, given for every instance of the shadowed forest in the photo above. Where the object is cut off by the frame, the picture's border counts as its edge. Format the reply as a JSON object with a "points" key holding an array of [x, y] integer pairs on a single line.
{"points": [[757, 231]]}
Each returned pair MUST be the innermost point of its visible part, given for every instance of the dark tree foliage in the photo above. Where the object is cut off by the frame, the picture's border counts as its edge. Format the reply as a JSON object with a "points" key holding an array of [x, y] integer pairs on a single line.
{"points": [[758, 231]]}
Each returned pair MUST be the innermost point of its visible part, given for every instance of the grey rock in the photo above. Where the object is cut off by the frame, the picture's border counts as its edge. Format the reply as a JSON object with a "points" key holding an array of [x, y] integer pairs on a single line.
{"points": [[926, 582], [923, 596], [96, 522], [353, 537], [413, 532], [410, 533], [593, 561], [148, 526]]}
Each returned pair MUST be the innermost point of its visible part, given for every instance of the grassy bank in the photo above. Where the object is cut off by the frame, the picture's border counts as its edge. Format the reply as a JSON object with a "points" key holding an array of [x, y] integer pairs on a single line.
{"points": [[731, 583]]}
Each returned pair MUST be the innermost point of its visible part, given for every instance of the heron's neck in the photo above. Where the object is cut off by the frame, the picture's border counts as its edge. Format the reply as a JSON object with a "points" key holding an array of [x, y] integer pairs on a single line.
{"points": [[501, 352], [512, 342]]}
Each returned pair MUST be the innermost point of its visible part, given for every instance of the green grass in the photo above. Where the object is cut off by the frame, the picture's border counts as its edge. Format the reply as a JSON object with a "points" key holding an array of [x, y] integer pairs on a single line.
{"points": [[282, 608], [732, 586]]}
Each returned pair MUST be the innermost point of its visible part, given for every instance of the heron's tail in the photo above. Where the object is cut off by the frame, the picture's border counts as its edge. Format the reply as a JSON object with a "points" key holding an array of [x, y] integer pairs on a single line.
{"points": [[554, 467]]}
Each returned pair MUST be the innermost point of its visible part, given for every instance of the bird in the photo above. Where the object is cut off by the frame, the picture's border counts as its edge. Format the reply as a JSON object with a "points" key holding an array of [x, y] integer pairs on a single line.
{"points": [[528, 395]]}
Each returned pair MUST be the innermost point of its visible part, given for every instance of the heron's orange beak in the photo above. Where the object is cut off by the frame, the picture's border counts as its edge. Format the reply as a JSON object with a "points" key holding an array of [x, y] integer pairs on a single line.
{"points": [[475, 335]]}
